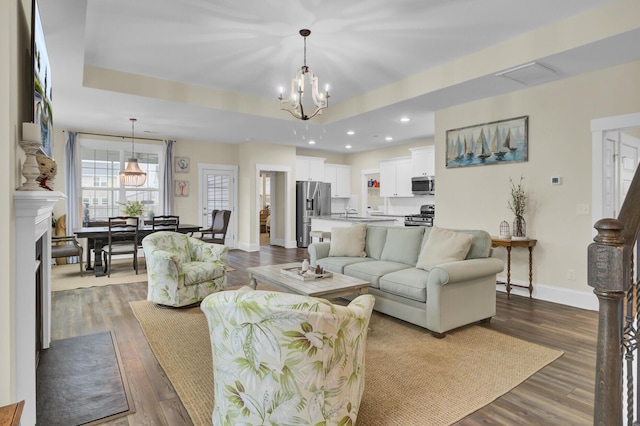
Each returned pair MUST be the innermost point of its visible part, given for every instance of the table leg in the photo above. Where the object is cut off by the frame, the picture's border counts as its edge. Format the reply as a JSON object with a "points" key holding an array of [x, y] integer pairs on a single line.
{"points": [[98, 268], [508, 272], [530, 271], [90, 245]]}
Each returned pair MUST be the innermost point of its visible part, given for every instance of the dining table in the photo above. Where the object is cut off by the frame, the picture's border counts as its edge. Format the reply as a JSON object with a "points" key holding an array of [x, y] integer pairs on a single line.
{"points": [[98, 236]]}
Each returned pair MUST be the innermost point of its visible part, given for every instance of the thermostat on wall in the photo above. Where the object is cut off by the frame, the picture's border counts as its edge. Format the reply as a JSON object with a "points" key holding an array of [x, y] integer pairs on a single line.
{"points": [[556, 180]]}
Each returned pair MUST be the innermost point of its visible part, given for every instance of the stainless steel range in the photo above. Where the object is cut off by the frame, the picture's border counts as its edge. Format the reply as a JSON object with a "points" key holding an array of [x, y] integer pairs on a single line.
{"points": [[424, 218]]}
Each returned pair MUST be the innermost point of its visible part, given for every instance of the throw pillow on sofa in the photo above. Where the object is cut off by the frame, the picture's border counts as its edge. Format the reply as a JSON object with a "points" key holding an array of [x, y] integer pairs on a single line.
{"points": [[443, 246], [348, 241]]}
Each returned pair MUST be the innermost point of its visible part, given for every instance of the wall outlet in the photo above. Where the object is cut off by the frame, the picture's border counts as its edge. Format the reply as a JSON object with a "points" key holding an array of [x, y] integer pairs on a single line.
{"points": [[571, 274], [556, 180]]}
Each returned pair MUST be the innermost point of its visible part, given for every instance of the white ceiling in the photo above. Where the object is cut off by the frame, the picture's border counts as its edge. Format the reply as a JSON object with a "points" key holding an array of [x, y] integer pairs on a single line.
{"points": [[248, 48]]}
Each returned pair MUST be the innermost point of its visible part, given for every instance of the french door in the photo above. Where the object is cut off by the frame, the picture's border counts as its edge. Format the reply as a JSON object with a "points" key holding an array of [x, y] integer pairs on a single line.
{"points": [[218, 193]]}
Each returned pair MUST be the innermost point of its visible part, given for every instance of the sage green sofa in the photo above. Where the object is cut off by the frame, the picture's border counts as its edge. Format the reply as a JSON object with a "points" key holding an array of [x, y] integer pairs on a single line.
{"points": [[439, 297]]}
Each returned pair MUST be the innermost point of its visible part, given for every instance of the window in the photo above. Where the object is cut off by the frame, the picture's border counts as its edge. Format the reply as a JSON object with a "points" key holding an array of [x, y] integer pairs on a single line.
{"points": [[101, 163]]}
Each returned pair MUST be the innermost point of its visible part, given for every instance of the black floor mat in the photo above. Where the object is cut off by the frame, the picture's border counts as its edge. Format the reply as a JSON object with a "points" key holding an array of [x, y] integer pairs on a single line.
{"points": [[80, 380]]}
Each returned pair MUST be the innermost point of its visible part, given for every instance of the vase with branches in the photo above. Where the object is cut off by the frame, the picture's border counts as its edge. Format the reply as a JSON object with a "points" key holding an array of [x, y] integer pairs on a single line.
{"points": [[517, 204]]}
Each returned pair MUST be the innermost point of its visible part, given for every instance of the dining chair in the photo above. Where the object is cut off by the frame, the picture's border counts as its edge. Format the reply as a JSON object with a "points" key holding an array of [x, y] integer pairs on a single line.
{"points": [[122, 239], [165, 223], [218, 230], [66, 246]]}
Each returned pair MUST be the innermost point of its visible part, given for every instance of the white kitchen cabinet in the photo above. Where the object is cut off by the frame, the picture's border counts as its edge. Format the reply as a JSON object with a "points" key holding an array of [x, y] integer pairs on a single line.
{"points": [[424, 161], [395, 177], [339, 176], [310, 168]]}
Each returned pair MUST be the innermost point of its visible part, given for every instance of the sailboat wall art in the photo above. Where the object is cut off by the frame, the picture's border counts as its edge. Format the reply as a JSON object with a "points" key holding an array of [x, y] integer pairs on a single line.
{"points": [[498, 142]]}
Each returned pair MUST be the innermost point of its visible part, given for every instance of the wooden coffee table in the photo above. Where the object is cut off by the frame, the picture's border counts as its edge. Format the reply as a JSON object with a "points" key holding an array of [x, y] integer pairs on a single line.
{"points": [[335, 286]]}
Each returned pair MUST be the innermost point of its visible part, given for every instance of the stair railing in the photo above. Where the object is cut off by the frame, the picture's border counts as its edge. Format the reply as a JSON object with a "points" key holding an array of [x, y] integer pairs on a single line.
{"points": [[610, 273]]}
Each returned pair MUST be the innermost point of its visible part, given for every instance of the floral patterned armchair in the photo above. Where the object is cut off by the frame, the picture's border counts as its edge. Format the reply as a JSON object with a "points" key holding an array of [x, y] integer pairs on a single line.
{"points": [[182, 270], [282, 358]]}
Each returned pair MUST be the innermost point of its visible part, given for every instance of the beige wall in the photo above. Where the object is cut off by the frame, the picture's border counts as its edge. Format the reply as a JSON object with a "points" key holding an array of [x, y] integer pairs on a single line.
{"points": [[559, 145], [199, 153]]}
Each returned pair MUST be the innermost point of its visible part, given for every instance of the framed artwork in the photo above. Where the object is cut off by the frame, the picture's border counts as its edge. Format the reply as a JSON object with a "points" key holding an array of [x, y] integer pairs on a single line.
{"points": [[497, 142], [182, 164], [42, 93], [181, 188]]}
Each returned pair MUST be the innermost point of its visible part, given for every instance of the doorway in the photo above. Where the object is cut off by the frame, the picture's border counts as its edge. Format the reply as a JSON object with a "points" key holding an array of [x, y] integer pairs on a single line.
{"points": [[218, 192], [615, 155], [371, 199], [279, 205]]}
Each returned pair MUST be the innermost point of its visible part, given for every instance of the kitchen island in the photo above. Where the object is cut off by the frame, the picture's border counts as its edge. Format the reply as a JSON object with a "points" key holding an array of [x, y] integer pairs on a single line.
{"points": [[325, 223]]}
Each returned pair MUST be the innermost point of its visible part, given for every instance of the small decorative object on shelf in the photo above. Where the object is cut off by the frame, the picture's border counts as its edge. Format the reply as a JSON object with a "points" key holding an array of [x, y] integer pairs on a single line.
{"points": [[504, 230], [517, 204], [310, 274], [31, 143]]}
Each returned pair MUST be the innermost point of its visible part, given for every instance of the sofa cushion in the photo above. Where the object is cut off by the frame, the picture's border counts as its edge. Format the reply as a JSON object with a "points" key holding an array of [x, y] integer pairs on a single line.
{"points": [[348, 241], [337, 264], [410, 283], [403, 244], [376, 236], [372, 271], [444, 246], [481, 244]]}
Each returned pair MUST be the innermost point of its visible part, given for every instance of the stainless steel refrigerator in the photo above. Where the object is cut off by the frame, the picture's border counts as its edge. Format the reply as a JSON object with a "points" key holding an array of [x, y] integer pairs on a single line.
{"points": [[313, 199]]}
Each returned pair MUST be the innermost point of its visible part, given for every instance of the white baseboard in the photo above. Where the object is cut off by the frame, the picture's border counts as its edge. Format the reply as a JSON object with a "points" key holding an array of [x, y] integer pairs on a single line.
{"points": [[248, 247], [563, 296], [292, 244]]}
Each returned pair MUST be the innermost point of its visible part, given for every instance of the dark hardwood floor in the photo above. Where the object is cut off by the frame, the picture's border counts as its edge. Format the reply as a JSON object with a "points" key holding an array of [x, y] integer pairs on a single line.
{"points": [[559, 394]]}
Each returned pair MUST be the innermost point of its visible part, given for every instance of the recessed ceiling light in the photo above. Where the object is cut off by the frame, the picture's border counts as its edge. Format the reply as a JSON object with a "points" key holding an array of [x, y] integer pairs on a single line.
{"points": [[312, 142], [405, 119], [348, 146], [351, 132], [388, 138]]}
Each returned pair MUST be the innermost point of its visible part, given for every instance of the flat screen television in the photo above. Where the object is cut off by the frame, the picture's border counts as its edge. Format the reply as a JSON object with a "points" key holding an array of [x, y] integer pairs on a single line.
{"points": [[42, 92]]}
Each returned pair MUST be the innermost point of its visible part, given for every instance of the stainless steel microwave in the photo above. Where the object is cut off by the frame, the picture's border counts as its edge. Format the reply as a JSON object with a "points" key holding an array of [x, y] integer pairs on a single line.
{"points": [[423, 185]]}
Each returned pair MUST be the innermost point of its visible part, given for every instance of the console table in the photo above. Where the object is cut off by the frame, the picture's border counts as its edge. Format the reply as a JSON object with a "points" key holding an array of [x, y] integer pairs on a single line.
{"points": [[508, 243]]}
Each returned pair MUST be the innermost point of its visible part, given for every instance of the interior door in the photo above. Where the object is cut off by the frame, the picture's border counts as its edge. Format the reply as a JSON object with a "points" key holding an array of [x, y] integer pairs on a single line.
{"points": [[629, 148], [217, 194]]}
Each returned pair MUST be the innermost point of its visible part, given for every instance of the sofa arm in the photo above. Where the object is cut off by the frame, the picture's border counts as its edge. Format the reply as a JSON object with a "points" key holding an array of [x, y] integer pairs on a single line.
{"points": [[318, 251], [465, 270]]}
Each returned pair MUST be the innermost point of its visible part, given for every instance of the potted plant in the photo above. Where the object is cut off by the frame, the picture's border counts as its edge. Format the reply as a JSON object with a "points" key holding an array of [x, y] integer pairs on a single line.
{"points": [[517, 204], [133, 208]]}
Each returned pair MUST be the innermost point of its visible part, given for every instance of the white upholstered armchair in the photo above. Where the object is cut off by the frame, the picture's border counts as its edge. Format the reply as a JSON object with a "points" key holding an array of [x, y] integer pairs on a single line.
{"points": [[182, 270], [282, 358]]}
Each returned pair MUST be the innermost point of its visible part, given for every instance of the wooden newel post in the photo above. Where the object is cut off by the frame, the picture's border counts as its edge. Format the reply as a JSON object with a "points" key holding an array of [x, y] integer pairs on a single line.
{"points": [[609, 261]]}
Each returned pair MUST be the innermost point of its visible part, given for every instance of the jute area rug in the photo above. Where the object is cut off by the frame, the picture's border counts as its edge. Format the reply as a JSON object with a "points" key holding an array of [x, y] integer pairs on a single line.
{"points": [[67, 277], [411, 377]]}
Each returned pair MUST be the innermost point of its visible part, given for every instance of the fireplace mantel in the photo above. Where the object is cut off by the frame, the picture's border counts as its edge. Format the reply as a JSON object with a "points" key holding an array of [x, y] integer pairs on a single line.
{"points": [[33, 221]]}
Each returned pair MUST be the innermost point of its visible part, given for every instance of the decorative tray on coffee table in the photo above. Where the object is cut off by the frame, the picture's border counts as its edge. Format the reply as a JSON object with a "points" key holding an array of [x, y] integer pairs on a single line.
{"points": [[296, 272]]}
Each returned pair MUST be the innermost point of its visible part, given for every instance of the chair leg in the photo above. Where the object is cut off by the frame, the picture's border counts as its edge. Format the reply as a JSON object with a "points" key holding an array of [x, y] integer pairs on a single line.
{"points": [[107, 264], [135, 261], [80, 263]]}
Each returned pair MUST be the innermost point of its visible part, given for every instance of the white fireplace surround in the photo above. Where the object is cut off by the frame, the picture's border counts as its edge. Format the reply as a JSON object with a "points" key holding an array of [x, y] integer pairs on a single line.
{"points": [[33, 220]]}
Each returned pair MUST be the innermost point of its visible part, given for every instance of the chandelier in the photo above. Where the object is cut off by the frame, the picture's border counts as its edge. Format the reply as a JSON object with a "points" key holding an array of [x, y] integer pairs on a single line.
{"points": [[132, 175], [293, 103]]}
